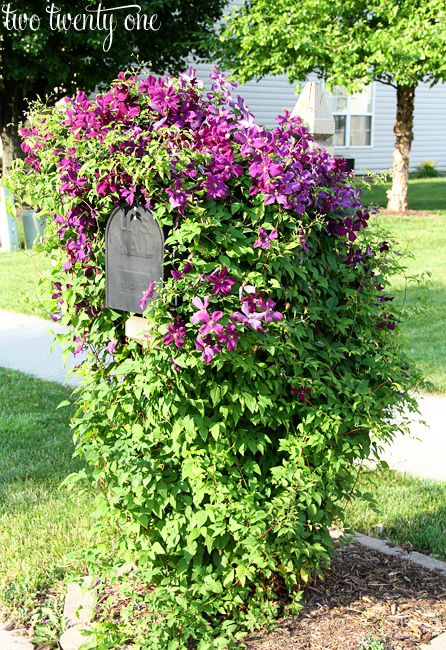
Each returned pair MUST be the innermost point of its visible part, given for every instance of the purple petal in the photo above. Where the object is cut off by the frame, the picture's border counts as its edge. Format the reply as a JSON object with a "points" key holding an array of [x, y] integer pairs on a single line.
{"points": [[208, 354], [218, 329], [205, 329]]}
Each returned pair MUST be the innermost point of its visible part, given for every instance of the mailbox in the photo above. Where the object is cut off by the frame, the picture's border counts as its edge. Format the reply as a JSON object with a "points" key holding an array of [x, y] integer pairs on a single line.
{"points": [[134, 251]]}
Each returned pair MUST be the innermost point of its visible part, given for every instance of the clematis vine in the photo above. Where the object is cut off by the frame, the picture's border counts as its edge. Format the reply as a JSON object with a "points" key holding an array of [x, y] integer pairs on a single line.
{"points": [[264, 240], [269, 314], [207, 348], [176, 333], [246, 317], [222, 281], [146, 295]]}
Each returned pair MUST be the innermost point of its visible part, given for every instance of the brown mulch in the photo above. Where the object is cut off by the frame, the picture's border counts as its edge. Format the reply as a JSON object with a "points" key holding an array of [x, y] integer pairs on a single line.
{"points": [[363, 593]]}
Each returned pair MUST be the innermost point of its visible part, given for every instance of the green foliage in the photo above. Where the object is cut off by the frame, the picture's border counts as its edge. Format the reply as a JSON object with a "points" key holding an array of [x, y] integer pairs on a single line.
{"points": [[222, 478], [347, 43], [427, 169]]}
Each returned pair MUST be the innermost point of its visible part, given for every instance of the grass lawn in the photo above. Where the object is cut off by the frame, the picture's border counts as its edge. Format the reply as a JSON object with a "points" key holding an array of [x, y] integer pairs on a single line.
{"points": [[413, 511], [39, 523]]}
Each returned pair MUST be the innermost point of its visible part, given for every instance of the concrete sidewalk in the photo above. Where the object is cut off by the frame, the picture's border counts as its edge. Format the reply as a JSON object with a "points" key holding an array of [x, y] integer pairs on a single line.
{"points": [[24, 346], [424, 453]]}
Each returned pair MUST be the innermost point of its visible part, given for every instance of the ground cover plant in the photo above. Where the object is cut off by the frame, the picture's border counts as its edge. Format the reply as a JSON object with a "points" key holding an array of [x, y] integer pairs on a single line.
{"points": [[223, 448], [39, 523], [427, 169]]}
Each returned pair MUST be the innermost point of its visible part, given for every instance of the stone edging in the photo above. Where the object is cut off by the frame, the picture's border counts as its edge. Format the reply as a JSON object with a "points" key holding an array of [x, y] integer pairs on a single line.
{"points": [[78, 610], [386, 547], [79, 603]]}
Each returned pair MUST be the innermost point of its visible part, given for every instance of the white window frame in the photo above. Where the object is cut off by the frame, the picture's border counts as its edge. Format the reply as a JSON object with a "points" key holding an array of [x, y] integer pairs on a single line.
{"points": [[347, 125]]}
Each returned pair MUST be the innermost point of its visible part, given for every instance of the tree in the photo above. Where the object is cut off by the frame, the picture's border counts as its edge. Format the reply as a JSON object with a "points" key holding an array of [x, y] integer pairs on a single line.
{"points": [[38, 59], [346, 42]]}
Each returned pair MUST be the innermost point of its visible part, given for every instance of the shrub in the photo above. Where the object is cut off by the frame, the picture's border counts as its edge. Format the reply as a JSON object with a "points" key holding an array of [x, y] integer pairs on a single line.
{"points": [[427, 169], [222, 450]]}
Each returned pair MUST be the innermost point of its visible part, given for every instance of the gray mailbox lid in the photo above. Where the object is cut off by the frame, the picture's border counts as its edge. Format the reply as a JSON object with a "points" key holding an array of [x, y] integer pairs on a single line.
{"points": [[134, 251]]}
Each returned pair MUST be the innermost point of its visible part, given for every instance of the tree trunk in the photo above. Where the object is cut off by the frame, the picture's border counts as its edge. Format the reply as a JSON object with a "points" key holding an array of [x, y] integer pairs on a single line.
{"points": [[12, 112], [397, 196], [11, 145]]}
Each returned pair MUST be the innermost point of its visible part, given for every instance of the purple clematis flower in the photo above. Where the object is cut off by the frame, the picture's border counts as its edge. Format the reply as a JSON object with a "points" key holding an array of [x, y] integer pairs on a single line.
{"points": [[248, 318], [111, 346], [301, 392], [202, 307], [264, 168], [253, 299], [210, 323], [215, 186], [208, 350], [231, 337], [264, 240], [179, 274], [303, 241], [269, 314], [146, 295], [222, 281], [80, 347], [176, 333]]}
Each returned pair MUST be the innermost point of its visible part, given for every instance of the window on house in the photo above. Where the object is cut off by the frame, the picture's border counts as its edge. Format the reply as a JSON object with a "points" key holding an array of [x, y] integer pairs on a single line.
{"points": [[353, 116]]}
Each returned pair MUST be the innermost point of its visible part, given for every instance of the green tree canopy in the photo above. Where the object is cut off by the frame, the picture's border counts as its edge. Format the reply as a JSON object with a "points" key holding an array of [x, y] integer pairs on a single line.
{"points": [[42, 60], [346, 42]]}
